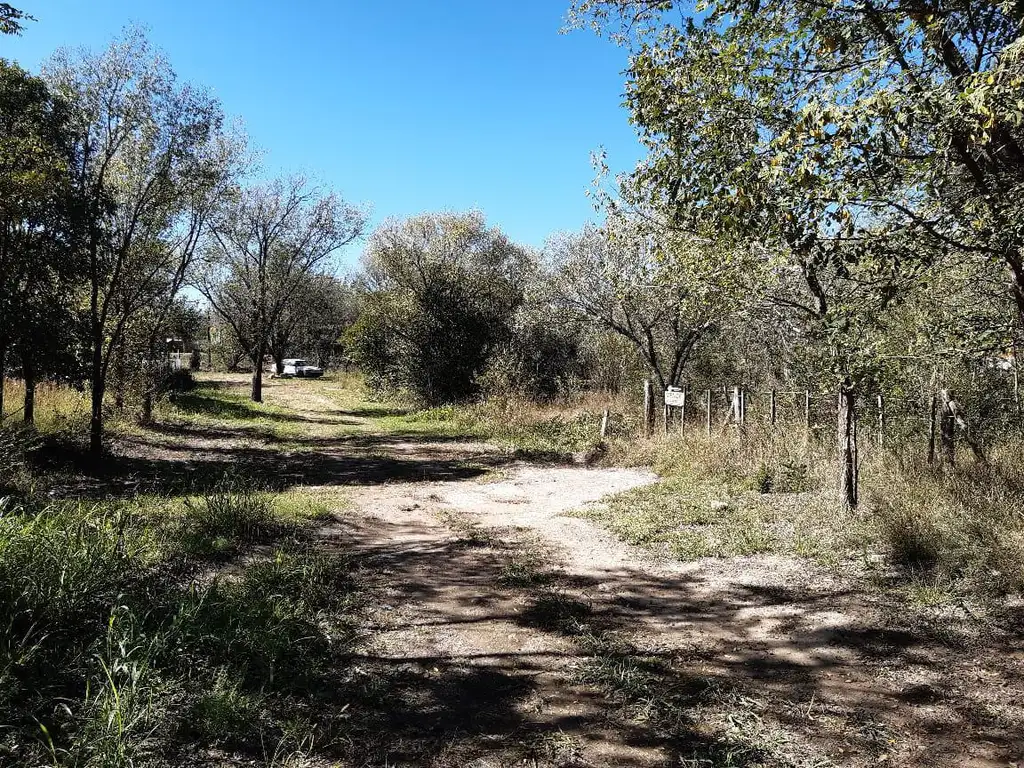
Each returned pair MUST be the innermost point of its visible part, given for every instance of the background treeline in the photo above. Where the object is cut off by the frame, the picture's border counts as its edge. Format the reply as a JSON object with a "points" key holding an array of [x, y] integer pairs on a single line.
{"points": [[125, 195], [829, 203], [830, 206]]}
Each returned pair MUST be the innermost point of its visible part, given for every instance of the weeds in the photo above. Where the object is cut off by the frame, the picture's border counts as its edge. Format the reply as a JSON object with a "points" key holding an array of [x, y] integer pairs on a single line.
{"points": [[15, 444], [229, 517], [104, 650], [965, 526], [771, 491], [524, 429]]}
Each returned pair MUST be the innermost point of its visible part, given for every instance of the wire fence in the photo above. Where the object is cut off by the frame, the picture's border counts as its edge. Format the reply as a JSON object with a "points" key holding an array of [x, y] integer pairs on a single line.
{"points": [[882, 417]]}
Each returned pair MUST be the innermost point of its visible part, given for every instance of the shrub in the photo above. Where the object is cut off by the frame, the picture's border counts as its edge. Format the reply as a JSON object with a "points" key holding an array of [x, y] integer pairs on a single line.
{"points": [[232, 515], [448, 287], [178, 380], [15, 443]]}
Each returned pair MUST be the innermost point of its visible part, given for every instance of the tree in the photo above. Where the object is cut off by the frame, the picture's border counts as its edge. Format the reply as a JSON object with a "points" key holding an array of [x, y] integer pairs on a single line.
{"points": [[883, 117], [36, 265], [656, 289], [544, 354], [150, 159], [861, 143], [12, 20], [443, 289], [269, 242], [313, 323]]}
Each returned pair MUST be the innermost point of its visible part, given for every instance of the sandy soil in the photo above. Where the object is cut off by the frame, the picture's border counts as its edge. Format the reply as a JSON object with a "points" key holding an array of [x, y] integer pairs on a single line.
{"points": [[494, 607], [823, 671]]}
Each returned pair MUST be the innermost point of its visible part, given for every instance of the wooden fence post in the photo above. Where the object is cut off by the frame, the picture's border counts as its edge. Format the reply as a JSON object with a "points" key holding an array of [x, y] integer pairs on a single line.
{"points": [[648, 408], [682, 413], [773, 408], [604, 424], [947, 428], [807, 410], [931, 428], [708, 393], [881, 421]]}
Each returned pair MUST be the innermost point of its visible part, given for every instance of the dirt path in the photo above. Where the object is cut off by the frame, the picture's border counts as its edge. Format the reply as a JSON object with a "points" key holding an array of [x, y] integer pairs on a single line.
{"points": [[572, 636], [454, 610], [506, 632]]}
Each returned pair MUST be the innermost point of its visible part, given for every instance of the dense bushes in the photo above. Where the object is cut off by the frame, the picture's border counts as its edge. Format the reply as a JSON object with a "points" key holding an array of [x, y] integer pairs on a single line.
{"points": [[443, 290]]}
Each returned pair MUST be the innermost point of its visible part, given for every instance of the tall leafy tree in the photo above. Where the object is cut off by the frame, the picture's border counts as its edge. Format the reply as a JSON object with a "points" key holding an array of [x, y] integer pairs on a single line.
{"points": [[861, 142], [36, 212], [656, 288], [149, 160], [267, 244], [834, 124], [444, 289]]}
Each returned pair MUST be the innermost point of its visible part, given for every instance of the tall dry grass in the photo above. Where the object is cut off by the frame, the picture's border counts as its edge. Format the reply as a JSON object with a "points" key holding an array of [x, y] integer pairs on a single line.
{"points": [[58, 408], [961, 525]]}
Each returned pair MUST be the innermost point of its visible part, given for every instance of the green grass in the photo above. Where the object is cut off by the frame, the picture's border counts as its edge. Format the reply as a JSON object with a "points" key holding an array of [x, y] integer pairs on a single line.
{"points": [[773, 492], [528, 433], [690, 519], [114, 652]]}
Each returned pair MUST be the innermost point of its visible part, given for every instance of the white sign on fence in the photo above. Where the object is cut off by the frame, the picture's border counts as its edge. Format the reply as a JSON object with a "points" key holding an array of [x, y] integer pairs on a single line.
{"points": [[675, 397]]}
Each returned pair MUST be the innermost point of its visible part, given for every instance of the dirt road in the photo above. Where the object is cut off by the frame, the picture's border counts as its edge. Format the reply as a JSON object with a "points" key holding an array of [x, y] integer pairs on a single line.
{"points": [[505, 631], [555, 642]]}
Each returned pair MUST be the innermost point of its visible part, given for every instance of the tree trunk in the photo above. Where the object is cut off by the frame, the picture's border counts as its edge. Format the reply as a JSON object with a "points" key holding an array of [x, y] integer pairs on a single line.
{"points": [[29, 373], [847, 447], [98, 387], [148, 385], [119, 372], [96, 420], [3, 380], [257, 379]]}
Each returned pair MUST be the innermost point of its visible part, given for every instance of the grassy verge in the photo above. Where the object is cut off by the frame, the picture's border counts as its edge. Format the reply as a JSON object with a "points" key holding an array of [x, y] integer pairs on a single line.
{"points": [[126, 641], [941, 531], [528, 431]]}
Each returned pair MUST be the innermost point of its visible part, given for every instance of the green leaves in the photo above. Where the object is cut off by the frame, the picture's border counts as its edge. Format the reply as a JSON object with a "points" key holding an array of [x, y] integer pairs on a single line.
{"points": [[859, 147]]}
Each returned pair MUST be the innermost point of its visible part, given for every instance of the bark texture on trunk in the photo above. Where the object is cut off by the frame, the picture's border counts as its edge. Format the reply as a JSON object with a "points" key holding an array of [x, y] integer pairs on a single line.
{"points": [[3, 373], [96, 420], [98, 388], [257, 380], [847, 447], [146, 415]]}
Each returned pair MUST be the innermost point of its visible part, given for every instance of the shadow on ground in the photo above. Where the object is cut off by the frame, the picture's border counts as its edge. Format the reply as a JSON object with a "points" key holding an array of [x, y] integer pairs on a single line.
{"points": [[195, 471], [732, 695]]}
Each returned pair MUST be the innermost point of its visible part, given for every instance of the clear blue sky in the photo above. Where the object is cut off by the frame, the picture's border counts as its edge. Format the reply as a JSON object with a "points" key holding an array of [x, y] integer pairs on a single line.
{"points": [[408, 105]]}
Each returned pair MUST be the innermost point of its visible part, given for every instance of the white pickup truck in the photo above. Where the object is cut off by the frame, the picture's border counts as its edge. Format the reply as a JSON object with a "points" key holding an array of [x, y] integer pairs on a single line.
{"points": [[294, 366]]}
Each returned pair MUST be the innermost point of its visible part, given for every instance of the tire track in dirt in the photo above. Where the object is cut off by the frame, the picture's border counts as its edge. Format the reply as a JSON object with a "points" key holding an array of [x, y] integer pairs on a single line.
{"points": [[448, 612]]}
